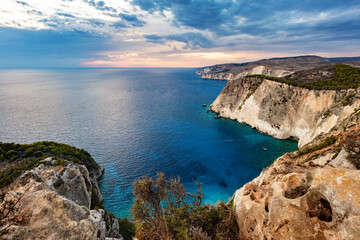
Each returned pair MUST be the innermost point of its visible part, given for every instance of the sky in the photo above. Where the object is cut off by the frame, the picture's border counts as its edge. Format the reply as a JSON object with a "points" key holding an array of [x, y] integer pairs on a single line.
{"points": [[173, 33]]}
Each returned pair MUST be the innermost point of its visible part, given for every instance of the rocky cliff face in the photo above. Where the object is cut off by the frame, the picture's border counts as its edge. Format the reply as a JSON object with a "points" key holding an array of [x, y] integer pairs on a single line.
{"points": [[313, 193], [309, 194], [209, 73], [285, 111], [53, 202]]}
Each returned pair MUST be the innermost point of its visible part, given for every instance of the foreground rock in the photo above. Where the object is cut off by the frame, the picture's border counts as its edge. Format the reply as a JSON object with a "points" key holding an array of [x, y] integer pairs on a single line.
{"points": [[53, 202], [300, 202]]}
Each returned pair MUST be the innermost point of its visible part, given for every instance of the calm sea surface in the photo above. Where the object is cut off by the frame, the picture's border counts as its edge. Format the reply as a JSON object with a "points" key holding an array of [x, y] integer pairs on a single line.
{"points": [[136, 122]]}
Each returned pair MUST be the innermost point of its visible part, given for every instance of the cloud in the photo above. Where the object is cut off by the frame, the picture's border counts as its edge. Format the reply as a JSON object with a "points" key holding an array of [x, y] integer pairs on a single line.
{"points": [[191, 39], [263, 18], [65, 15], [22, 3], [160, 28], [132, 20]]}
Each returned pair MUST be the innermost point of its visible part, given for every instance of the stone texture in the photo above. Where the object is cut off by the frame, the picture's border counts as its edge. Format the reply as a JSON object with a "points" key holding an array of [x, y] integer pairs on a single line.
{"points": [[54, 204], [289, 201]]}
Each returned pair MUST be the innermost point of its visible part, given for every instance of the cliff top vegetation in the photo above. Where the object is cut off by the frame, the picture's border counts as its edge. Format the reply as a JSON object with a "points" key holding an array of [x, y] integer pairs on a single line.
{"points": [[331, 77], [17, 158]]}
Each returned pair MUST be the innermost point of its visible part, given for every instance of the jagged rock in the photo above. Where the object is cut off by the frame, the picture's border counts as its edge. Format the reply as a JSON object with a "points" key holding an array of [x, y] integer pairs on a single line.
{"points": [[289, 201], [54, 204]]}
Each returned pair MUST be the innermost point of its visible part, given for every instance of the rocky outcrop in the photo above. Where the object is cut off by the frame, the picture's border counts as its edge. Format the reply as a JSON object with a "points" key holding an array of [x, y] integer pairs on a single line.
{"points": [[313, 194], [53, 201], [285, 111], [289, 201]]}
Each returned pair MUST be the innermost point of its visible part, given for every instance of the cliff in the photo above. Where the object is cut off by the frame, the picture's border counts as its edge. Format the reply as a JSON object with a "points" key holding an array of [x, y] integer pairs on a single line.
{"points": [[313, 193], [275, 67], [285, 111], [310, 194], [57, 198]]}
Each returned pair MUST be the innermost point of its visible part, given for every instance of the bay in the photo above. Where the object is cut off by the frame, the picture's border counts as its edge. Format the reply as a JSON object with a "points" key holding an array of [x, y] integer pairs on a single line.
{"points": [[135, 122]]}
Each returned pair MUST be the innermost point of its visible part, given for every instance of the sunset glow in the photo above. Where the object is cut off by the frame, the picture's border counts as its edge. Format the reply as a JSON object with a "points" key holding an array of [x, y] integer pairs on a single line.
{"points": [[134, 33]]}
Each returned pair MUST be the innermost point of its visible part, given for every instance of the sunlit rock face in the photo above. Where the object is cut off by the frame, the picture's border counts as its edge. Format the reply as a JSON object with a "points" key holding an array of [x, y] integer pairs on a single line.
{"points": [[54, 204], [285, 111], [290, 201], [313, 193], [207, 73]]}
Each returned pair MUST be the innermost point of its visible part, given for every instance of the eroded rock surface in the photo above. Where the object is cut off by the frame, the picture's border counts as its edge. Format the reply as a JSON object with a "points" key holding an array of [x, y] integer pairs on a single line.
{"points": [[55, 203], [293, 201]]}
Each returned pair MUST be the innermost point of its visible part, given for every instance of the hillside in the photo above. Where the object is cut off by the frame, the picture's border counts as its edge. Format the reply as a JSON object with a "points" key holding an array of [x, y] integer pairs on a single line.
{"points": [[275, 67], [328, 77]]}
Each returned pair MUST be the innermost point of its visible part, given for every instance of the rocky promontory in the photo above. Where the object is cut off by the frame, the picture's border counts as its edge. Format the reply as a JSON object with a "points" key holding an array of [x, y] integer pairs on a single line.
{"points": [[284, 110], [56, 197]]}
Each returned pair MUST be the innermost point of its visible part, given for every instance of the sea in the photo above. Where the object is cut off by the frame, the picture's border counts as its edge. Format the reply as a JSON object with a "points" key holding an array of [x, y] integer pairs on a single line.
{"points": [[136, 122]]}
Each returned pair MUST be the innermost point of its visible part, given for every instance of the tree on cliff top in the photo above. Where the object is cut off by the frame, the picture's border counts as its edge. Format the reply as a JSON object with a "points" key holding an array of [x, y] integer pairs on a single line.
{"points": [[163, 209]]}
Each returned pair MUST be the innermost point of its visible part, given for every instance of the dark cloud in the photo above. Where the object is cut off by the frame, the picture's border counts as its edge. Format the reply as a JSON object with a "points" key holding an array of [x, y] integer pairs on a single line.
{"points": [[65, 15], [264, 19], [100, 5], [34, 12], [22, 3], [132, 20], [192, 40]]}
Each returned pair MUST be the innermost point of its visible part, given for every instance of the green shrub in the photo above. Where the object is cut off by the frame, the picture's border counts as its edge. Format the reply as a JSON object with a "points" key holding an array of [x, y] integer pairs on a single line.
{"points": [[327, 142], [344, 77], [348, 100], [27, 156], [96, 202], [127, 228]]}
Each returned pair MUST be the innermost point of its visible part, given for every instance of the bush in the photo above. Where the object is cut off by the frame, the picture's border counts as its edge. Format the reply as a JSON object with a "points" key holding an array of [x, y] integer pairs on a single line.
{"points": [[163, 209], [27, 156], [327, 142], [352, 147], [343, 77], [127, 229]]}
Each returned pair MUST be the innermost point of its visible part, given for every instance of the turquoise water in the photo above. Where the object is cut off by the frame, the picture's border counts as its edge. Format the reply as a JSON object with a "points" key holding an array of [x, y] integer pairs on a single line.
{"points": [[136, 122]]}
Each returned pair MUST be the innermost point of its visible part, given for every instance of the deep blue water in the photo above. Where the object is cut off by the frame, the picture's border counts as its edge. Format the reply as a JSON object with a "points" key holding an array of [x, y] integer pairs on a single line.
{"points": [[136, 122]]}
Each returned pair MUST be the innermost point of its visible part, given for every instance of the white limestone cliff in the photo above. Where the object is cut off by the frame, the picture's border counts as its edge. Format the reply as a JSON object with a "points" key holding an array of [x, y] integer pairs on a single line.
{"points": [[285, 111]]}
